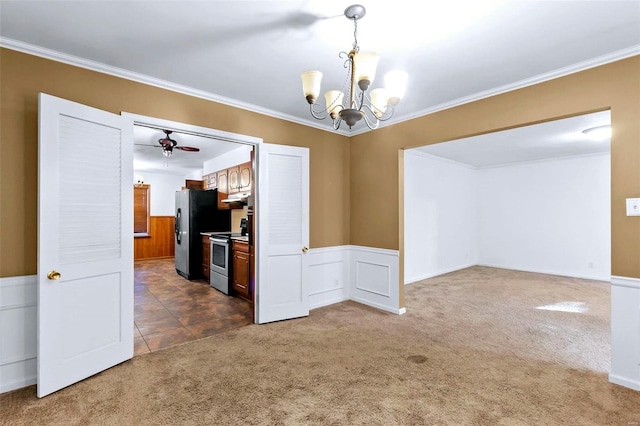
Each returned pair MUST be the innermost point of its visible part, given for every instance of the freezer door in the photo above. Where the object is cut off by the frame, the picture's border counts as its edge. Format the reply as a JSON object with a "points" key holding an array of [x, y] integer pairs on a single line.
{"points": [[182, 232]]}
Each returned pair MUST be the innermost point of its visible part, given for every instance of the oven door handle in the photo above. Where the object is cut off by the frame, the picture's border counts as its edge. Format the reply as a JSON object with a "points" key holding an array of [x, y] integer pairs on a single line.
{"points": [[216, 240]]}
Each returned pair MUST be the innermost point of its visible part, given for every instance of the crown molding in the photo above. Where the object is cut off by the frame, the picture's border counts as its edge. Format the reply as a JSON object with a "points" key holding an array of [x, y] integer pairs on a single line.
{"points": [[163, 84], [560, 72], [152, 81]]}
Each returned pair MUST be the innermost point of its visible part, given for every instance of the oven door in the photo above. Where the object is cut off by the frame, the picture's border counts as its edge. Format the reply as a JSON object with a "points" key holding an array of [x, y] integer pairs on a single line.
{"points": [[220, 256]]}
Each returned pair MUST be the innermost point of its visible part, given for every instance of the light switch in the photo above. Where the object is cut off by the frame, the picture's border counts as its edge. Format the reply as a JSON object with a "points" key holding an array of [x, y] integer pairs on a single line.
{"points": [[633, 206]]}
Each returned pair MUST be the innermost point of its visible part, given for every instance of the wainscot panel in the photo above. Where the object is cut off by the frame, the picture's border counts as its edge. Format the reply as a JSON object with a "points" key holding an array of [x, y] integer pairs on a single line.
{"points": [[18, 332], [328, 276], [374, 278], [625, 341], [160, 242]]}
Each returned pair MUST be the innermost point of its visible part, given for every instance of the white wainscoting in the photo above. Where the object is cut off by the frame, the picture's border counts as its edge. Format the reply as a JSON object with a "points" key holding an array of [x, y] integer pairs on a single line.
{"points": [[18, 332], [625, 332], [374, 278], [328, 276], [363, 274]]}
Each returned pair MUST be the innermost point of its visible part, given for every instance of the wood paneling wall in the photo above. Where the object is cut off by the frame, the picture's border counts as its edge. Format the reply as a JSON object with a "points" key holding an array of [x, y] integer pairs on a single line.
{"points": [[159, 243]]}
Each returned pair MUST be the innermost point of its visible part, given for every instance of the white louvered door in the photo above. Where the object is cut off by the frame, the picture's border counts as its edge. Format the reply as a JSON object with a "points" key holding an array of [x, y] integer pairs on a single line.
{"points": [[85, 242], [283, 232]]}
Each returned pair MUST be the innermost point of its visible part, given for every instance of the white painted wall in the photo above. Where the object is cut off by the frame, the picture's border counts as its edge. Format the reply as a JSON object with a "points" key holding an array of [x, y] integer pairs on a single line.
{"points": [[548, 216], [162, 192], [240, 155], [551, 216], [439, 216]]}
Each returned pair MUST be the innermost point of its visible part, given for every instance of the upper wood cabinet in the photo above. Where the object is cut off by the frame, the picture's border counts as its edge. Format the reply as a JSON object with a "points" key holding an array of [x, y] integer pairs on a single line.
{"points": [[246, 181], [193, 184], [233, 175], [221, 180]]}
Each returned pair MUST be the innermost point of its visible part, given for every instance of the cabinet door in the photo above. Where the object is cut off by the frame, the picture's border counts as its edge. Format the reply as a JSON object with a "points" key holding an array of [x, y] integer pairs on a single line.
{"points": [[222, 182], [213, 181], [245, 176], [241, 273], [233, 179], [206, 251]]}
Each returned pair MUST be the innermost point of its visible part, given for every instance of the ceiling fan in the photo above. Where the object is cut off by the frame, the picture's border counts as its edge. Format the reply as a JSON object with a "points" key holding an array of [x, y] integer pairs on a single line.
{"points": [[168, 145]]}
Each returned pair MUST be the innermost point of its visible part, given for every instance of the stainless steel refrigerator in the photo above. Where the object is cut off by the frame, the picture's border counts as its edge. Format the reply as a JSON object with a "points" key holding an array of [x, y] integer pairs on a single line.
{"points": [[196, 211]]}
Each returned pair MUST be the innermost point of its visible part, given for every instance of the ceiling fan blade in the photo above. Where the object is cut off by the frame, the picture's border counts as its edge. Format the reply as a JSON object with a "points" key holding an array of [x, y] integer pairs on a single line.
{"points": [[187, 148]]}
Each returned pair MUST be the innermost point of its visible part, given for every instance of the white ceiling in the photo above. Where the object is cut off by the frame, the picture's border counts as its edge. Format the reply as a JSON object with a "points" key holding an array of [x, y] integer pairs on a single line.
{"points": [[553, 139], [251, 53]]}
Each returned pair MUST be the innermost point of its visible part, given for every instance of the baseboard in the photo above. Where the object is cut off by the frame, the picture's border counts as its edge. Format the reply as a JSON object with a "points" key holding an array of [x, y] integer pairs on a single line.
{"points": [[397, 311], [413, 280], [547, 272], [328, 302], [631, 384], [625, 282]]}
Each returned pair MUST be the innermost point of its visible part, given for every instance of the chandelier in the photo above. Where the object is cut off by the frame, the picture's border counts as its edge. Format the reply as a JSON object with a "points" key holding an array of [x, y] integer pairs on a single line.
{"points": [[374, 106]]}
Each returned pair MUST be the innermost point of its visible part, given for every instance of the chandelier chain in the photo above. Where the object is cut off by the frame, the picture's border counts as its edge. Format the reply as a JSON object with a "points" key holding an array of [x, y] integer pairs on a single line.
{"points": [[355, 34]]}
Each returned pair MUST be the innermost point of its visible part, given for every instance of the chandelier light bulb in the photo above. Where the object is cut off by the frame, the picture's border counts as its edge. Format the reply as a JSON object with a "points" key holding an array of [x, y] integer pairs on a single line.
{"points": [[396, 83]]}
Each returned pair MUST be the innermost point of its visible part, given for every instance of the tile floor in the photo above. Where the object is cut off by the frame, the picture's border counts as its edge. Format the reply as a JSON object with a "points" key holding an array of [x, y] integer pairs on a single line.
{"points": [[170, 310]]}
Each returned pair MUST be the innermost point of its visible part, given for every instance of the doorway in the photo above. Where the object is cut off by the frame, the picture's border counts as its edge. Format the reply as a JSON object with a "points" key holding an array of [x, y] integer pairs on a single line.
{"points": [[170, 309]]}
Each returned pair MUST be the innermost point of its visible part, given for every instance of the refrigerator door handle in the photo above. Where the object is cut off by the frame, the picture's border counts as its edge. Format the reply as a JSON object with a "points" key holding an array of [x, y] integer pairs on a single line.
{"points": [[177, 225]]}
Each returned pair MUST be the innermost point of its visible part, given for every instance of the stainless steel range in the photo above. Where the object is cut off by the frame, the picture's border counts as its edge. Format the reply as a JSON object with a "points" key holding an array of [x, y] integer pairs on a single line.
{"points": [[220, 263]]}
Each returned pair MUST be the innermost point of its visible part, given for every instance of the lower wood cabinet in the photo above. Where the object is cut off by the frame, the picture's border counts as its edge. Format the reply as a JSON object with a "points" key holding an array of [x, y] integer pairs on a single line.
{"points": [[241, 271], [206, 251]]}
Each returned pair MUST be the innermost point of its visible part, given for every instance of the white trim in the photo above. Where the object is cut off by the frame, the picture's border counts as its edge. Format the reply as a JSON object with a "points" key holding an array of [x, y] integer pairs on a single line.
{"points": [[418, 152], [382, 307], [152, 81], [414, 280], [631, 384], [546, 272], [625, 282], [163, 84], [541, 78], [20, 370], [546, 160], [375, 250]]}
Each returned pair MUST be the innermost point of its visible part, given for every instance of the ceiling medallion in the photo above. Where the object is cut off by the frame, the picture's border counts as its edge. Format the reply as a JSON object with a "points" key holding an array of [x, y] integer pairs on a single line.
{"points": [[374, 106]]}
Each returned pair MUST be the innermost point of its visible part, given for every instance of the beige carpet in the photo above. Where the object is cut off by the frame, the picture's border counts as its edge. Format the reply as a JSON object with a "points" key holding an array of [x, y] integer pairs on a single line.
{"points": [[472, 349]]}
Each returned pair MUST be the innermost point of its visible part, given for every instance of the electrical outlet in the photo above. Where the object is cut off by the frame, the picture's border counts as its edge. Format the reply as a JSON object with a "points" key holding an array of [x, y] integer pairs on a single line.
{"points": [[633, 206]]}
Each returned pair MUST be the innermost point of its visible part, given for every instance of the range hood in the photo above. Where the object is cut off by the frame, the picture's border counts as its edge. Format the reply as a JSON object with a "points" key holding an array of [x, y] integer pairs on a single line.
{"points": [[240, 197]]}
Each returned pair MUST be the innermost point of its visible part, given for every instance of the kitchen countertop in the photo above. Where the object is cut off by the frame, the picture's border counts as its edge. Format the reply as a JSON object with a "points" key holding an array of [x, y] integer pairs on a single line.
{"points": [[241, 238]]}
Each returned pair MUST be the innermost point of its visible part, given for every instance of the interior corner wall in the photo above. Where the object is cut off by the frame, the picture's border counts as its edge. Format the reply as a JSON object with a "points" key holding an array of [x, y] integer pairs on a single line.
{"points": [[550, 216], [440, 216], [162, 192]]}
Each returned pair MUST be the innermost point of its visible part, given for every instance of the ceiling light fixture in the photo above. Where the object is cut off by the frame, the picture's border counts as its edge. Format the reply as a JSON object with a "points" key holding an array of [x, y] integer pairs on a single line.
{"points": [[375, 106], [598, 133]]}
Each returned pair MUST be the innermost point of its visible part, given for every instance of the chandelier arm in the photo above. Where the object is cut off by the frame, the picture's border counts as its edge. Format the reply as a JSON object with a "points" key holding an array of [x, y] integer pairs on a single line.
{"points": [[318, 115], [368, 121], [336, 123], [387, 114]]}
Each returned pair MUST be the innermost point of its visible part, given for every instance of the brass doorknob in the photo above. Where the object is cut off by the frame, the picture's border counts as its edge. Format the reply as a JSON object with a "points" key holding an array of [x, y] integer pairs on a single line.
{"points": [[305, 249], [54, 275]]}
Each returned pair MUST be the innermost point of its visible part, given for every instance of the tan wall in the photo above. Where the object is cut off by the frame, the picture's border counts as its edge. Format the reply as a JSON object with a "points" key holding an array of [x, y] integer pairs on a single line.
{"points": [[23, 76], [375, 166]]}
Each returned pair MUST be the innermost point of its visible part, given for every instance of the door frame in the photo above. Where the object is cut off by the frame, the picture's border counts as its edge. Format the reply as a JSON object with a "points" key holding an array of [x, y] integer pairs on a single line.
{"points": [[143, 120]]}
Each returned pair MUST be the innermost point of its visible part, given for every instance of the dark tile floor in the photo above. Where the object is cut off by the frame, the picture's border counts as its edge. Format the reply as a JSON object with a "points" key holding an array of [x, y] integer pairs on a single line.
{"points": [[170, 310]]}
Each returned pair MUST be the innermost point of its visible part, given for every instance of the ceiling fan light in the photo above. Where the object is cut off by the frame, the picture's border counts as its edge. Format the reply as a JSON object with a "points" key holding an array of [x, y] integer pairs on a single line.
{"points": [[396, 84], [311, 85], [365, 64], [167, 153]]}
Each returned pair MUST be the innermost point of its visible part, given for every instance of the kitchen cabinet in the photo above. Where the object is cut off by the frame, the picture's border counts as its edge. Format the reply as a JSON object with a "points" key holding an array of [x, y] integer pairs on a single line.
{"points": [[241, 271], [206, 256], [223, 190], [193, 184], [221, 180], [233, 179], [245, 176]]}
